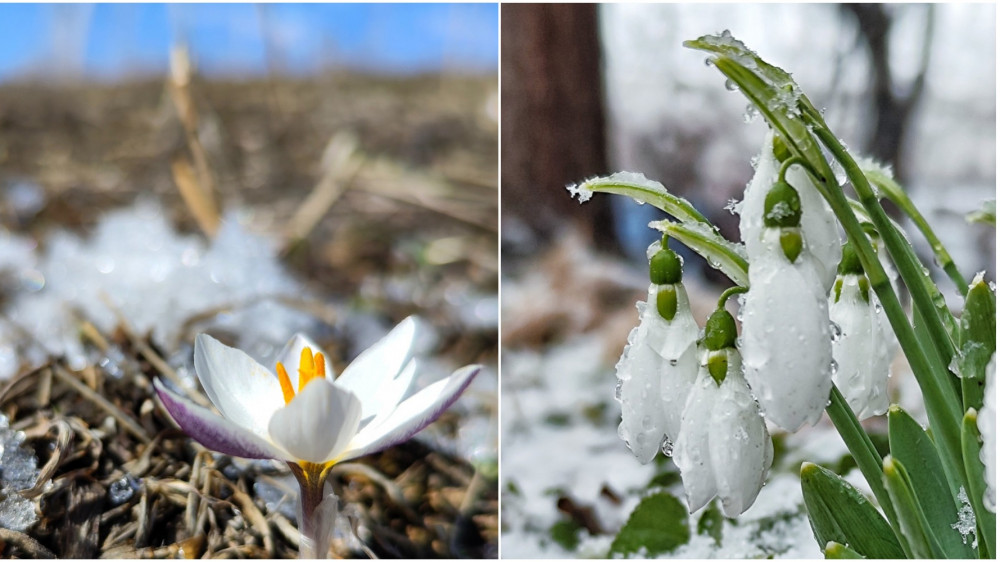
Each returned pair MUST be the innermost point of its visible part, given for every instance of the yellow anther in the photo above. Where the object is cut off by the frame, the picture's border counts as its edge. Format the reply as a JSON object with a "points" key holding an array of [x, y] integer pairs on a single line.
{"points": [[286, 383], [310, 367]]}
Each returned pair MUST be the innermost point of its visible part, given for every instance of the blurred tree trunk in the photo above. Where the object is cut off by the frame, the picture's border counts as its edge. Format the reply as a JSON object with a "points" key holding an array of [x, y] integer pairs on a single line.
{"points": [[894, 104], [552, 125]]}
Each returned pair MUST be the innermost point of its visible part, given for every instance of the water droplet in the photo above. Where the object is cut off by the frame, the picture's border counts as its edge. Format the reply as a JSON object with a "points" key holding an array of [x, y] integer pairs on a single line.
{"points": [[618, 390], [731, 86], [751, 113], [673, 362], [833, 366], [835, 332], [878, 308], [667, 447], [709, 61]]}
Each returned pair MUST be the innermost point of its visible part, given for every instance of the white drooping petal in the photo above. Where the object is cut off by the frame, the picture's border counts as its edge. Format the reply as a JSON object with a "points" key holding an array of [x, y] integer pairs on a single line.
{"points": [[987, 422], [819, 224], [291, 354], [655, 372], [692, 453], [752, 207], [379, 364], [412, 415], [318, 423], [245, 392], [216, 432], [861, 350], [786, 344], [740, 446]]}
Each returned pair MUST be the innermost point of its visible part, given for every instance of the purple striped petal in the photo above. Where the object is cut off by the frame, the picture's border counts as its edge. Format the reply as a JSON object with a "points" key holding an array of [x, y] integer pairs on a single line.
{"points": [[215, 432], [412, 415]]}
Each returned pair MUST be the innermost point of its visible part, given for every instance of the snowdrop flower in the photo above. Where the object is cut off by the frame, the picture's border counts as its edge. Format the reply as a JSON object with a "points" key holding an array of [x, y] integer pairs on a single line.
{"points": [[659, 364], [723, 448], [987, 421], [862, 350], [786, 322], [303, 414], [819, 224]]}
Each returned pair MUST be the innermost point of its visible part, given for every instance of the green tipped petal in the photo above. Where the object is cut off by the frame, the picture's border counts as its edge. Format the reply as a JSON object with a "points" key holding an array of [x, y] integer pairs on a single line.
{"points": [[666, 302], [791, 243]]}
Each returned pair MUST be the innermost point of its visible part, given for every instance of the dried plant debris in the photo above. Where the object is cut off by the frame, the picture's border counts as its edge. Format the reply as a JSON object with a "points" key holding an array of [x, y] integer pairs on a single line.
{"points": [[92, 467]]}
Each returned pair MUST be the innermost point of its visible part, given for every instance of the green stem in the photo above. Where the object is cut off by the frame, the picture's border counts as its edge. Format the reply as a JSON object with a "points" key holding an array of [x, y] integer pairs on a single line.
{"points": [[730, 292], [864, 453], [895, 193], [943, 408]]}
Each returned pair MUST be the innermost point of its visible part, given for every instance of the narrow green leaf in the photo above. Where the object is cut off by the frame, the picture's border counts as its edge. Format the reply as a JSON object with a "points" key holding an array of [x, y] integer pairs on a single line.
{"points": [[987, 213], [912, 522], [986, 520], [837, 550], [710, 522], [977, 340], [643, 190], [840, 513], [658, 525], [910, 446], [726, 256], [566, 533]]}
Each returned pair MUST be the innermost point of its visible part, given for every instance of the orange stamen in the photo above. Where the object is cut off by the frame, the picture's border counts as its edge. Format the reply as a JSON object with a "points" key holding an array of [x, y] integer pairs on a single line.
{"points": [[320, 366], [286, 383], [309, 368]]}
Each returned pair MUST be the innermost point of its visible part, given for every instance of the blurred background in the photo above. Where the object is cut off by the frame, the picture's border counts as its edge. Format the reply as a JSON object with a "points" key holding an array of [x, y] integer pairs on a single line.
{"points": [[591, 90], [248, 171]]}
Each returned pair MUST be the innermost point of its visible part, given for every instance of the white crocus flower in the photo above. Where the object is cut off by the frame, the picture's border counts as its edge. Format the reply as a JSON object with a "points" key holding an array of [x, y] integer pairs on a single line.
{"points": [[305, 415], [786, 323], [987, 421], [862, 348], [819, 224], [723, 448], [655, 372]]}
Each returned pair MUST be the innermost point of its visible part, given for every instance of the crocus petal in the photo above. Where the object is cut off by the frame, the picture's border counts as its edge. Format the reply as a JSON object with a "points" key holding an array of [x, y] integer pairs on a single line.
{"points": [[786, 337], [861, 351], [215, 432], [987, 422], [412, 415], [292, 353], [691, 452], [318, 423], [740, 446], [392, 393], [379, 364], [245, 392]]}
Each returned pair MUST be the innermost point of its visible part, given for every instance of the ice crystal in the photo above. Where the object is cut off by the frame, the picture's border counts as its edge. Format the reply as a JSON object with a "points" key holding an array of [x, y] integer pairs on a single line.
{"points": [[966, 524]]}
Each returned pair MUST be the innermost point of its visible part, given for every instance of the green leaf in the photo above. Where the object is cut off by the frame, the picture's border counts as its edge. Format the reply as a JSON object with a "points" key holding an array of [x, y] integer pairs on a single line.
{"points": [[566, 533], [658, 525], [643, 190], [837, 550], [710, 522], [726, 256], [838, 512], [977, 340], [987, 213], [911, 447], [985, 519], [913, 524]]}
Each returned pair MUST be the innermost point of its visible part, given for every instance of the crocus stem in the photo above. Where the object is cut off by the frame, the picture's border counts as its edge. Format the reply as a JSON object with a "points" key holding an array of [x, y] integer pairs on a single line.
{"points": [[311, 478], [864, 453]]}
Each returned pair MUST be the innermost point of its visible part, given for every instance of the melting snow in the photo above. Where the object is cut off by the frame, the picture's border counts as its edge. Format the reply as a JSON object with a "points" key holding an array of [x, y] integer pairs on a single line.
{"points": [[966, 524], [17, 472]]}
